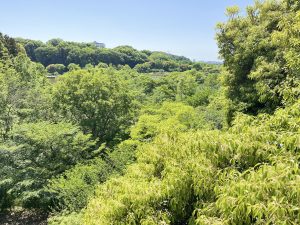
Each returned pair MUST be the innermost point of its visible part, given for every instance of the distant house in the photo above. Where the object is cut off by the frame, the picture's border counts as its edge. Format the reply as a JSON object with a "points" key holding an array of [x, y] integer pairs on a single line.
{"points": [[99, 45]]}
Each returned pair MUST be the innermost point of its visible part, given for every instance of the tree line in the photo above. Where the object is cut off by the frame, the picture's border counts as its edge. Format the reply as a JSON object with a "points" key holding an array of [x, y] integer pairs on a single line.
{"points": [[57, 55]]}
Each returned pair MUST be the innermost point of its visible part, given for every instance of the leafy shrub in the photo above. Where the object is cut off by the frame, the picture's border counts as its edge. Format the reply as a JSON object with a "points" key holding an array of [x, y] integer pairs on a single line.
{"points": [[74, 187], [56, 69], [215, 177], [72, 218], [39, 151], [170, 117], [72, 190], [268, 195]]}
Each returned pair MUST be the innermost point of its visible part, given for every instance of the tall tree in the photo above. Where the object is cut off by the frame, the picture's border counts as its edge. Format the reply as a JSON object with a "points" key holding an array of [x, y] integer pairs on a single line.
{"points": [[99, 100], [259, 54]]}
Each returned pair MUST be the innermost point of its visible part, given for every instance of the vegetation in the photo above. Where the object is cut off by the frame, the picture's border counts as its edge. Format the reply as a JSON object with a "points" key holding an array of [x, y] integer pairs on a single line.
{"points": [[259, 52], [57, 52], [138, 137]]}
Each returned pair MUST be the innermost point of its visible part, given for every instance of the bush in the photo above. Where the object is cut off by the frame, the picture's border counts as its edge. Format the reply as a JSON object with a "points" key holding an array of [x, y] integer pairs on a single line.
{"points": [[171, 117], [56, 69], [247, 175], [38, 152], [71, 219], [72, 190]]}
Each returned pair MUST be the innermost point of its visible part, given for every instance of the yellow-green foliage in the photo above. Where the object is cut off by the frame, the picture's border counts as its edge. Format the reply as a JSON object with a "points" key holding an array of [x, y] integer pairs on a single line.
{"points": [[73, 218], [171, 117], [247, 175], [268, 195], [156, 189]]}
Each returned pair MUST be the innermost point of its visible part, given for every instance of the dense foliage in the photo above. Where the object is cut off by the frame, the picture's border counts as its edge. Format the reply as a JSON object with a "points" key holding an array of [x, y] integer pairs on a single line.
{"points": [[260, 54], [98, 100], [37, 152], [60, 140], [57, 51], [157, 139], [247, 175]]}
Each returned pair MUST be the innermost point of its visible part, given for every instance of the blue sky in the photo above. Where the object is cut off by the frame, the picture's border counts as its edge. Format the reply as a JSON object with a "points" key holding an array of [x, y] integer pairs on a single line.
{"points": [[183, 27]]}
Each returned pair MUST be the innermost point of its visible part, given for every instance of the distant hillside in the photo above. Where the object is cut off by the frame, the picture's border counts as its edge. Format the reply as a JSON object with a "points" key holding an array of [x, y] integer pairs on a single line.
{"points": [[58, 51]]}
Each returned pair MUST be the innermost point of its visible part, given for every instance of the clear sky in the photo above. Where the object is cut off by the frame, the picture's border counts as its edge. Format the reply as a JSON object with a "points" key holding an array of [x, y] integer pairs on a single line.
{"points": [[183, 27]]}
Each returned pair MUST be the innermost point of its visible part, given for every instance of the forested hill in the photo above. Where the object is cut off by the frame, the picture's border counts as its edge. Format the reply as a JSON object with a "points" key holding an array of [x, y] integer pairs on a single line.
{"points": [[63, 53], [110, 144]]}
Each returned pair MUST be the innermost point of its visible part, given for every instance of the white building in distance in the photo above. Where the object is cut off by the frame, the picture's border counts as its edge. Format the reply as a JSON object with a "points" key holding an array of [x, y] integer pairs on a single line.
{"points": [[99, 45]]}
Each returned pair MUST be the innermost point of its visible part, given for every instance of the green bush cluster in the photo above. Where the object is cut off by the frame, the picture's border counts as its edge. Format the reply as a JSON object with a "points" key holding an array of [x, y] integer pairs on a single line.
{"points": [[247, 175]]}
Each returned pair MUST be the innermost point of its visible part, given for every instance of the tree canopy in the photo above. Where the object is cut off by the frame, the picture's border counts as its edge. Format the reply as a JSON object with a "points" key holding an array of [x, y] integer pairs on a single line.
{"points": [[57, 51], [123, 136]]}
